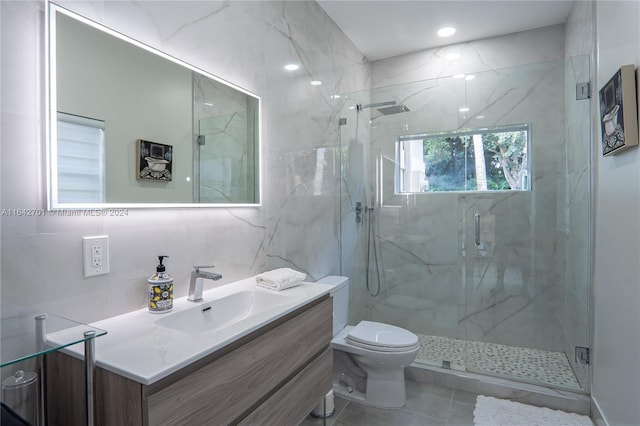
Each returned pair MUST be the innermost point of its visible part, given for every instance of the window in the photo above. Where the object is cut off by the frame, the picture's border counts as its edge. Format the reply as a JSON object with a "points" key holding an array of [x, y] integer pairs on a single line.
{"points": [[490, 159], [80, 159]]}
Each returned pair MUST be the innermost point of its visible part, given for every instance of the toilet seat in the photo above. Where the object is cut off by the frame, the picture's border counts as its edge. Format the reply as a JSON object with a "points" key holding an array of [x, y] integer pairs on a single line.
{"points": [[381, 337]]}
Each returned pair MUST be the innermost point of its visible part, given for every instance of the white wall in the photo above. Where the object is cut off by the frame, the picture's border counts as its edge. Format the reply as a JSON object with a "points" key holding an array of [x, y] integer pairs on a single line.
{"points": [[247, 43], [616, 370]]}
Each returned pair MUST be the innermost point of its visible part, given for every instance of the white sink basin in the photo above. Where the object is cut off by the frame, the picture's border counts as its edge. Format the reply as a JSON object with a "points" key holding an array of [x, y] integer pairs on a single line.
{"points": [[209, 316], [146, 347]]}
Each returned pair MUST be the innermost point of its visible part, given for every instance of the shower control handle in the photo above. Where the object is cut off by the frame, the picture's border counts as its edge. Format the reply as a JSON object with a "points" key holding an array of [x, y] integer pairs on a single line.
{"points": [[477, 220]]}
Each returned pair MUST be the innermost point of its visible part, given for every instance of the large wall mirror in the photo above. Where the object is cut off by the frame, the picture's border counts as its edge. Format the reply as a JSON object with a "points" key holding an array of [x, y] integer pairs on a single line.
{"points": [[132, 127]]}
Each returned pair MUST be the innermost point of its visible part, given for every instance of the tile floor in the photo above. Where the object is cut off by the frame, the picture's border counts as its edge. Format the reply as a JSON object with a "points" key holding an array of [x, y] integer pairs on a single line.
{"points": [[427, 405]]}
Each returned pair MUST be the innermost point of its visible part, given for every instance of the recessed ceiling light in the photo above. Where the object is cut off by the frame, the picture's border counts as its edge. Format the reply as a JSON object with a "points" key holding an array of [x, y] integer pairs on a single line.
{"points": [[469, 77], [291, 67], [480, 117], [315, 82], [335, 96], [453, 56], [459, 76], [208, 103], [446, 32], [463, 109]]}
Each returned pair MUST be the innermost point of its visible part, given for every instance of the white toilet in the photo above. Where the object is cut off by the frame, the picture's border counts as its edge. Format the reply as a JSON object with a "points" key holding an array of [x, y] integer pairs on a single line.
{"points": [[368, 359]]}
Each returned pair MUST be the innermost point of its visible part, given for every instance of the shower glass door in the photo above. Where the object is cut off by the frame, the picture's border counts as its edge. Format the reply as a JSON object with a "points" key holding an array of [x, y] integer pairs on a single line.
{"points": [[225, 158], [475, 228], [526, 257]]}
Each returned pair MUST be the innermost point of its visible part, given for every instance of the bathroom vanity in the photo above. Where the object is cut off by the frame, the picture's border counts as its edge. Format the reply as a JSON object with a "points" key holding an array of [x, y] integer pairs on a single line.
{"points": [[270, 367]]}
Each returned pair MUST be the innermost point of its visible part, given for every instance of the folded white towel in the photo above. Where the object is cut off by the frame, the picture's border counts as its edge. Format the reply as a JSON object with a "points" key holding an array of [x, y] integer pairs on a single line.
{"points": [[280, 279]]}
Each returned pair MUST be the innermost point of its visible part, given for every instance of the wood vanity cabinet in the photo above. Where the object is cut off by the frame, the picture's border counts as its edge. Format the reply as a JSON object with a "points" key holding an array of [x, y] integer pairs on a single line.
{"points": [[275, 375]]}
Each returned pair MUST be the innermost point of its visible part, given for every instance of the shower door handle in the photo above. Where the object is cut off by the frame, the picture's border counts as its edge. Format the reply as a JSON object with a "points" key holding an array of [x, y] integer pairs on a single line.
{"points": [[477, 221]]}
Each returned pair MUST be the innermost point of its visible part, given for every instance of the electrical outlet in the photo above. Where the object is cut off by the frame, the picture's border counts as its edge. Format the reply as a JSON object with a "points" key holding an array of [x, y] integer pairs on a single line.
{"points": [[95, 255]]}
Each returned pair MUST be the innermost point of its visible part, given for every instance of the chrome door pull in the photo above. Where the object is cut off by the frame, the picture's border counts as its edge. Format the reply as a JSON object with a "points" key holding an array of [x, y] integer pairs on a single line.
{"points": [[477, 217]]}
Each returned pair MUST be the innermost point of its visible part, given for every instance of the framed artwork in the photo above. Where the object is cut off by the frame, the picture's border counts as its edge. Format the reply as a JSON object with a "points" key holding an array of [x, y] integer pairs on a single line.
{"points": [[154, 161], [618, 112]]}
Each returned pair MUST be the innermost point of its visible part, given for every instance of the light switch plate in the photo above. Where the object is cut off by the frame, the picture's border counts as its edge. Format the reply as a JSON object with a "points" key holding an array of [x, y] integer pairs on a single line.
{"points": [[95, 255]]}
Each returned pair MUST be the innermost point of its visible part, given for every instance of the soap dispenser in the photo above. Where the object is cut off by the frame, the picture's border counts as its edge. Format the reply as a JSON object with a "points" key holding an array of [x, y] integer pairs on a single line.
{"points": [[160, 290]]}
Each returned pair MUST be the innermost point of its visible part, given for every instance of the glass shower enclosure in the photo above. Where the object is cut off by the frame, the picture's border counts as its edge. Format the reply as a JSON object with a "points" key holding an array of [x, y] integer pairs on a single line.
{"points": [[475, 227]]}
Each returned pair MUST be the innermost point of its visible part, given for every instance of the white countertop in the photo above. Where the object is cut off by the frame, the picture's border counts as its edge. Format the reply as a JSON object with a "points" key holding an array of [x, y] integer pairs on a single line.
{"points": [[138, 348]]}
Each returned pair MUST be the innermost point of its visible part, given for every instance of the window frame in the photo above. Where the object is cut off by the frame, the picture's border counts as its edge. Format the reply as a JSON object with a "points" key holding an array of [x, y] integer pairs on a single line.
{"points": [[64, 119], [401, 160]]}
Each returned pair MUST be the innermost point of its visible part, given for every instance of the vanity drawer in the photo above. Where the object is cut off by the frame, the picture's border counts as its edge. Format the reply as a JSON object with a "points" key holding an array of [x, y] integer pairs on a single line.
{"points": [[223, 390], [294, 401]]}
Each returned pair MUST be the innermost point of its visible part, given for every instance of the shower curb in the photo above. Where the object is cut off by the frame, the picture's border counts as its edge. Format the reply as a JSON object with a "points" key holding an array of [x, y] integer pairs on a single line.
{"points": [[525, 393]]}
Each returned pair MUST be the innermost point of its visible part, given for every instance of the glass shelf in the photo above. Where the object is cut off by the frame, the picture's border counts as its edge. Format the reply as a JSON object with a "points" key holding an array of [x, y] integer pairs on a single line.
{"points": [[22, 338]]}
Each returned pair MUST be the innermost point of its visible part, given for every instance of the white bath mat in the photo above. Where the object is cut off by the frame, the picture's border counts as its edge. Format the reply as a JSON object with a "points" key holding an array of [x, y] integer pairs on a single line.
{"points": [[501, 412]]}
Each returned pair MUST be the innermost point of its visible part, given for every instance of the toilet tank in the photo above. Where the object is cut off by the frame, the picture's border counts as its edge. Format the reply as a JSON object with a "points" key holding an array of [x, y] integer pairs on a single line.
{"points": [[340, 296]]}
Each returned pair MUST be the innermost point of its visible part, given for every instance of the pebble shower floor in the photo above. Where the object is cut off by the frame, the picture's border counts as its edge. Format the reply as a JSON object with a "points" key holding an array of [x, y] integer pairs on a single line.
{"points": [[531, 365]]}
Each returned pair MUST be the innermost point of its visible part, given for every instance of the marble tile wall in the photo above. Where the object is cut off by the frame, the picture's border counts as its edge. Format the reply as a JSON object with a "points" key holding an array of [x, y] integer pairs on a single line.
{"points": [[507, 51], [247, 43]]}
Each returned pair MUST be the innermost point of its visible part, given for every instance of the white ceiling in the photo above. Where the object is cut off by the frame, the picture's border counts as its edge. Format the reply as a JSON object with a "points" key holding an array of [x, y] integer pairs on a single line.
{"points": [[383, 28]]}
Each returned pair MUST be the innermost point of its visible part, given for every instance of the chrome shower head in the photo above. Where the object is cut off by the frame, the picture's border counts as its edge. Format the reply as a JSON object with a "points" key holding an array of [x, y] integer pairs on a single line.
{"points": [[388, 107], [360, 107], [396, 109]]}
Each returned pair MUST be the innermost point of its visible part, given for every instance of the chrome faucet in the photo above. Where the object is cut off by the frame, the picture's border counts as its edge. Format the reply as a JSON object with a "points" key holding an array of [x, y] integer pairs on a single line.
{"points": [[196, 284]]}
